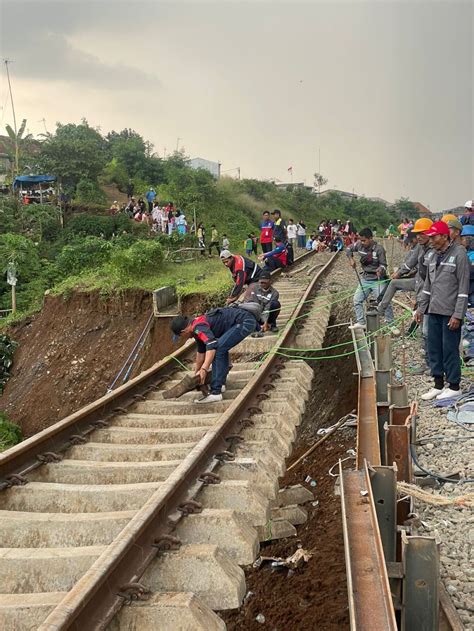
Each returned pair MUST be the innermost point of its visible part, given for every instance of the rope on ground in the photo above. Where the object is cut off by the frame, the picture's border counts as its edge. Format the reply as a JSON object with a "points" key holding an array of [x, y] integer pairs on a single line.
{"points": [[435, 500]]}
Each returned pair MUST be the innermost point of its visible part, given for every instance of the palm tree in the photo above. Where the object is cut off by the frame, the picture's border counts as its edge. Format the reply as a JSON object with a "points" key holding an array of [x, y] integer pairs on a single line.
{"points": [[20, 142]]}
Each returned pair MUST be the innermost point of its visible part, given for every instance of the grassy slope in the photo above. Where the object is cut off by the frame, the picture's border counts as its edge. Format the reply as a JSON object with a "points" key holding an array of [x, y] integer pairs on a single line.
{"points": [[200, 276]]}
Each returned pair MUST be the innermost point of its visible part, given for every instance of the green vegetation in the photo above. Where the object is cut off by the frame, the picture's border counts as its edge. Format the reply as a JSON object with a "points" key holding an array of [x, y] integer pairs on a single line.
{"points": [[57, 251], [10, 434]]}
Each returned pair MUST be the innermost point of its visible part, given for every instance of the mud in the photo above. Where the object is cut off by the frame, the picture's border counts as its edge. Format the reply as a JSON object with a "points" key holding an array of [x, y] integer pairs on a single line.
{"points": [[70, 352]]}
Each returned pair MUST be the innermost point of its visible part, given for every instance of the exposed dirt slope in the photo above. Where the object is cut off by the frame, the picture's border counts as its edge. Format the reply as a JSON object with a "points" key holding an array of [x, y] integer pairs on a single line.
{"points": [[113, 194], [70, 352]]}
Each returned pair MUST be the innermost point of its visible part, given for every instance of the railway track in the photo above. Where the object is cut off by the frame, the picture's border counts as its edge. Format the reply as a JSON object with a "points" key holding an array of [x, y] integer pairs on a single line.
{"points": [[392, 576], [156, 503]]}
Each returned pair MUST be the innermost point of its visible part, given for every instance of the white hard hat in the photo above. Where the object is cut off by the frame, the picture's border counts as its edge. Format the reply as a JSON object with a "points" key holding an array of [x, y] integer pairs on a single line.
{"points": [[468, 204]]}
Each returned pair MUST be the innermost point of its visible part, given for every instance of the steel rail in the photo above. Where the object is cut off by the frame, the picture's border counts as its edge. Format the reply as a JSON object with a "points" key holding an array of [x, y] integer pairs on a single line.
{"points": [[94, 599], [57, 438], [368, 446], [368, 588]]}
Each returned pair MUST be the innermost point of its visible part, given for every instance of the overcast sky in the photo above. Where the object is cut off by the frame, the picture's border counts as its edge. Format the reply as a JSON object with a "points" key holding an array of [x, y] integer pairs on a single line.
{"points": [[383, 89]]}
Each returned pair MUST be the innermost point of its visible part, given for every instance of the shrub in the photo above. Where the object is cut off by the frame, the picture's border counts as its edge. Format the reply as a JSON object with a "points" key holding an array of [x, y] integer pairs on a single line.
{"points": [[10, 433], [88, 192], [140, 259], [85, 253]]}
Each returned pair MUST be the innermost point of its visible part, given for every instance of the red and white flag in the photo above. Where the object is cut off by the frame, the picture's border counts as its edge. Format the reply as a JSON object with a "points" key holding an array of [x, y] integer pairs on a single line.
{"points": [[290, 169]]}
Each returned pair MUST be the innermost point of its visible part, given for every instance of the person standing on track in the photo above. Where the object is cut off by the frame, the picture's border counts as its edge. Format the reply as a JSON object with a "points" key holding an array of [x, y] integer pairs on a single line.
{"points": [[445, 298], [292, 231], [374, 269], [279, 227], [244, 271], [266, 232], [215, 333], [301, 234]]}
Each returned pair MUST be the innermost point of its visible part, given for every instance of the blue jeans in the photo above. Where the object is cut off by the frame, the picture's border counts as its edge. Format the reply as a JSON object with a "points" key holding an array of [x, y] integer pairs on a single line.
{"points": [[232, 337], [301, 240], [443, 350], [369, 287]]}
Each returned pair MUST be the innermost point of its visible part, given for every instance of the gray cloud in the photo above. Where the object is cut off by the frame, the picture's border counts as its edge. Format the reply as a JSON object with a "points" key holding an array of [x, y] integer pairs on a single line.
{"points": [[48, 54], [385, 89]]}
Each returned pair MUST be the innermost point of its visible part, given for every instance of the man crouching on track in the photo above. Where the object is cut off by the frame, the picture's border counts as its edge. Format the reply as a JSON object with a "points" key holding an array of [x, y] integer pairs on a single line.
{"points": [[215, 332]]}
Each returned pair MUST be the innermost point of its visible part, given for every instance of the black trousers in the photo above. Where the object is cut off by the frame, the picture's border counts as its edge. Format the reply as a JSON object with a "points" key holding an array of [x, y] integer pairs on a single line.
{"points": [[214, 244], [443, 350], [275, 307], [267, 247]]}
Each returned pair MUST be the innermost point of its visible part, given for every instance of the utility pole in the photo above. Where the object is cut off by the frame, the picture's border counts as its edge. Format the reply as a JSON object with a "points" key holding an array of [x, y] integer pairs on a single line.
{"points": [[43, 120], [8, 61]]}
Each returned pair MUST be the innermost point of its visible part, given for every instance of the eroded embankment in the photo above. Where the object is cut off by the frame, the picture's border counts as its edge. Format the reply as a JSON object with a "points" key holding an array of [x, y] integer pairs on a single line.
{"points": [[314, 597], [70, 352]]}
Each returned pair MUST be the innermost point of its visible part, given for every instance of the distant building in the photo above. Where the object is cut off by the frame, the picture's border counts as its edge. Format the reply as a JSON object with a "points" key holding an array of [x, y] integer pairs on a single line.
{"points": [[287, 185], [422, 210], [344, 194], [380, 200], [214, 168], [458, 210]]}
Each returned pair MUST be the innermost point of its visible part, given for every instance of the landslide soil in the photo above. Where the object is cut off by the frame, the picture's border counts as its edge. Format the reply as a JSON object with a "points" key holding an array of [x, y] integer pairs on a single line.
{"points": [[314, 598], [70, 352]]}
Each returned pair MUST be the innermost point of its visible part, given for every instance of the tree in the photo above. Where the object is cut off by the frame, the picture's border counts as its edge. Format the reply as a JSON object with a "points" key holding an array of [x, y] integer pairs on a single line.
{"points": [[405, 208], [73, 153], [18, 145], [130, 150], [319, 181]]}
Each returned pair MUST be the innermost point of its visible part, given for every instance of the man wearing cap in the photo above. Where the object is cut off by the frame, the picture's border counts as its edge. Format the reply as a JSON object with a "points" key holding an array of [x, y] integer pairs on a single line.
{"points": [[150, 198], [412, 273], [468, 218], [455, 229], [215, 333], [244, 271], [267, 297], [444, 297]]}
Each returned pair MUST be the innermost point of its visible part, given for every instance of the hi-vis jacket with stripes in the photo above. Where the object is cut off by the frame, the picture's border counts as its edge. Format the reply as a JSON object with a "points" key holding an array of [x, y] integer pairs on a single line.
{"points": [[446, 287]]}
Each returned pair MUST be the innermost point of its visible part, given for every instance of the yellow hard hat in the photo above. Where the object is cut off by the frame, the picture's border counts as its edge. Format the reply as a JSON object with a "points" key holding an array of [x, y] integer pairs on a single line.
{"points": [[422, 224], [448, 217]]}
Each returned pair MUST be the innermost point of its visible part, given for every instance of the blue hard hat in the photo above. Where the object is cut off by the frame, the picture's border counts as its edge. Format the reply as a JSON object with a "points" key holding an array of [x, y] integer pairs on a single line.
{"points": [[467, 231]]}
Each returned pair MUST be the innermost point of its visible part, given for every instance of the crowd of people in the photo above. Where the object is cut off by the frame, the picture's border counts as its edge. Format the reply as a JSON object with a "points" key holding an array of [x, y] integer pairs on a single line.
{"points": [[439, 270]]}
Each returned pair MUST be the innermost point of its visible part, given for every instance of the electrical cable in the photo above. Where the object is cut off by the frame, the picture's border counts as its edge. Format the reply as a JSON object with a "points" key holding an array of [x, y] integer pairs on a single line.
{"points": [[432, 474]]}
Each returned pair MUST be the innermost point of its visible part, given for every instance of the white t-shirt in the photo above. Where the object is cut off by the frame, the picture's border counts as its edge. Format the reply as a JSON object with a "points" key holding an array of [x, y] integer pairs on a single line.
{"points": [[300, 230], [291, 231]]}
